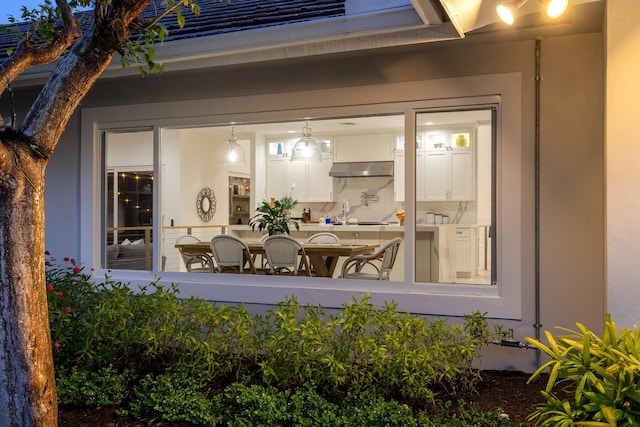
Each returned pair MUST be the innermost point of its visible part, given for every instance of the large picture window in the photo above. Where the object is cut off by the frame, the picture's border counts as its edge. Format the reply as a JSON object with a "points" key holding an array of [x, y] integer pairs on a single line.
{"points": [[355, 190]]}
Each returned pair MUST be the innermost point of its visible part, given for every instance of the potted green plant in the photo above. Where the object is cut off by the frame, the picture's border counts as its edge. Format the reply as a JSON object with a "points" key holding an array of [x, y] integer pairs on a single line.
{"points": [[275, 216]]}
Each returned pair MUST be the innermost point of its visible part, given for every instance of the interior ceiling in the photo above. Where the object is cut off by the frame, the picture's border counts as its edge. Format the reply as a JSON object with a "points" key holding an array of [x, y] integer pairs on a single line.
{"points": [[344, 125]]}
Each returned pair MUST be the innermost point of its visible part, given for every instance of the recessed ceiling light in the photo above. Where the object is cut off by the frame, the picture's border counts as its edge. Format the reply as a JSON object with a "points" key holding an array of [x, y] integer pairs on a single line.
{"points": [[429, 123]]}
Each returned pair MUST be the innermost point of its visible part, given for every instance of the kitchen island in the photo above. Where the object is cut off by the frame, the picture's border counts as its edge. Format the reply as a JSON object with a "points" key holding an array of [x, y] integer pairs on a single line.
{"points": [[435, 245]]}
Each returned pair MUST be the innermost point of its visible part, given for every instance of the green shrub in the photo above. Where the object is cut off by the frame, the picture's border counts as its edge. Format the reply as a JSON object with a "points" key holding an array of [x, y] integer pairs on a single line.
{"points": [[82, 387], [365, 347], [372, 410], [461, 416], [172, 397], [258, 406], [598, 378], [362, 348]]}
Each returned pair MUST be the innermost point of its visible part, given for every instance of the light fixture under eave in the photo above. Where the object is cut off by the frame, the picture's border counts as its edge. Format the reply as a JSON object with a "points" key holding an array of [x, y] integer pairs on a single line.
{"points": [[507, 10], [234, 154], [306, 149], [556, 8]]}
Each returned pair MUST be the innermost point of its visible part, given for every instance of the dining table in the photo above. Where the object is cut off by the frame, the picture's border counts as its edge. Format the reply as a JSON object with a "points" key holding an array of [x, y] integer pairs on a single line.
{"points": [[323, 257]]}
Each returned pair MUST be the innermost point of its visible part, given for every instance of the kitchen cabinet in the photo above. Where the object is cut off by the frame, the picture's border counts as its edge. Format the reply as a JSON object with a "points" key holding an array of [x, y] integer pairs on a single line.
{"points": [[466, 251], [399, 176], [444, 171], [448, 168], [448, 175], [363, 148], [311, 179]]}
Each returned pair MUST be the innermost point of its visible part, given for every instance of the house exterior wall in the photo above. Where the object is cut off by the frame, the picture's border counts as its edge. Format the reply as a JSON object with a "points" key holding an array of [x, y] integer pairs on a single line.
{"points": [[622, 164], [572, 179]]}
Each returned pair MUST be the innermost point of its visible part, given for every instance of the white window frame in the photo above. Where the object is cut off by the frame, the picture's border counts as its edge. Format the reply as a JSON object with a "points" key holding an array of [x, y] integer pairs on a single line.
{"points": [[502, 301]]}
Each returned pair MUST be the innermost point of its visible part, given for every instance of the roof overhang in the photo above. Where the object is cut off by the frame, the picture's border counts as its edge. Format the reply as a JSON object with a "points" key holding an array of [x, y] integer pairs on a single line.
{"points": [[365, 25]]}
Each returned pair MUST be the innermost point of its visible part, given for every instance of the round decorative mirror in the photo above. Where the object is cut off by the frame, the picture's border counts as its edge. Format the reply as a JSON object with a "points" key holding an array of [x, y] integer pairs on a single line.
{"points": [[206, 204]]}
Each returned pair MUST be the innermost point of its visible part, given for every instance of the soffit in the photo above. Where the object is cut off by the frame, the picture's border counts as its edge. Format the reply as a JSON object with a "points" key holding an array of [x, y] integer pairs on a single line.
{"points": [[253, 31]]}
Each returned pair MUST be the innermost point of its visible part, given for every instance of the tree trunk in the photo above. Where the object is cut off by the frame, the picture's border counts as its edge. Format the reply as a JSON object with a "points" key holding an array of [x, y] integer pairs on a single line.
{"points": [[27, 382]]}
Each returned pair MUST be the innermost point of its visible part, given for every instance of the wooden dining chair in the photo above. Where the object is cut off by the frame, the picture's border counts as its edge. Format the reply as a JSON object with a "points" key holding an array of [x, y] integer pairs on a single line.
{"points": [[380, 263], [231, 254], [195, 262], [282, 254]]}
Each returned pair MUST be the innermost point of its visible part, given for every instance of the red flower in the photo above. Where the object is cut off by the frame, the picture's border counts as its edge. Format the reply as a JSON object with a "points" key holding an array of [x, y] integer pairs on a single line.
{"points": [[49, 288], [65, 259], [47, 253], [67, 309], [47, 262], [72, 261], [59, 294], [56, 345], [76, 270]]}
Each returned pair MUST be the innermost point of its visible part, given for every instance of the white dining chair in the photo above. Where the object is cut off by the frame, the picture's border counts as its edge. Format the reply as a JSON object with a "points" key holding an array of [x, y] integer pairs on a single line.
{"points": [[380, 264], [231, 254], [195, 262], [320, 238], [282, 254], [323, 237]]}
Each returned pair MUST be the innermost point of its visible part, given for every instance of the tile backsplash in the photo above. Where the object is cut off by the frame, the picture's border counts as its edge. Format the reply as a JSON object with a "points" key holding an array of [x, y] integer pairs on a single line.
{"points": [[372, 199]]}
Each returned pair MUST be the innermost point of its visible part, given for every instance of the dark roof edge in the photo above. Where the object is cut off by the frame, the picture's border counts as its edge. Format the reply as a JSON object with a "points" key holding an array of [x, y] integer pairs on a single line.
{"points": [[396, 27]]}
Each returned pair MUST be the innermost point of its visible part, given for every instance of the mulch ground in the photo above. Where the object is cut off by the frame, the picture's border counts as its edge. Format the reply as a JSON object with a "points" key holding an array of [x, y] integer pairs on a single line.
{"points": [[505, 390]]}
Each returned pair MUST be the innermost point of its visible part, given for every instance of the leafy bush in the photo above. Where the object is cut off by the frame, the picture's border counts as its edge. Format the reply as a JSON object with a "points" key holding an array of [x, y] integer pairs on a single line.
{"points": [[259, 406], [179, 347], [599, 378], [82, 387], [464, 417], [173, 397], [370, 348]]}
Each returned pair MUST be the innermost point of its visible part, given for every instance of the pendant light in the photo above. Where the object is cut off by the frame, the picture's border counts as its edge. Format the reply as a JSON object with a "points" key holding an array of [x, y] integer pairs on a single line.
{"points": [[233, 153], [306, 149]]}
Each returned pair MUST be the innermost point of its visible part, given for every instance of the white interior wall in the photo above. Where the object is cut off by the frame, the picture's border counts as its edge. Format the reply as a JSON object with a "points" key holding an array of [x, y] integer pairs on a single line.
{"points": [[483, 175], [200, 167], [130, 149], [170, 191]]}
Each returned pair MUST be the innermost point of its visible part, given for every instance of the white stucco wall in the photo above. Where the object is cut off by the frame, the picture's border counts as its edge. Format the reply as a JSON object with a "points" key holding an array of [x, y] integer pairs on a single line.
{"points": [[623, 160]]}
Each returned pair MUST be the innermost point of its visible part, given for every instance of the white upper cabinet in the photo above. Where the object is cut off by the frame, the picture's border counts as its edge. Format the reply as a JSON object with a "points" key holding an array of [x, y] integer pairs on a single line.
{"points": [[363, 148], [311, 179], [448, 166], [444, 166], [399, 176]]}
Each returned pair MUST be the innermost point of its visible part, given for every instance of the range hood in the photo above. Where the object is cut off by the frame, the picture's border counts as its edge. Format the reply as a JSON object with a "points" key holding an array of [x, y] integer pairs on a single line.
{"points": [[355, 169]]}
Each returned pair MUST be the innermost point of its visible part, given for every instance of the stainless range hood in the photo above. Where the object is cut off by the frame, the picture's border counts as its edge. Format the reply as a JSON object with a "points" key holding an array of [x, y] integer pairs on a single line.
{"points": [[361, 169]]}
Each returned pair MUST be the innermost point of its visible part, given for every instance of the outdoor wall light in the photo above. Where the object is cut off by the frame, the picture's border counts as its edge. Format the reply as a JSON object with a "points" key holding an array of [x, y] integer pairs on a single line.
{"points": [[234, 154], [556, 8], [306, 149], [507, 11]]}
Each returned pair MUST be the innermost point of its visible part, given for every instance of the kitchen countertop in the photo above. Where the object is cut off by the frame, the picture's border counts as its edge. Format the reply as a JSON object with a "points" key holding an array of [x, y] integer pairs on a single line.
{"points": [[316, 227]]}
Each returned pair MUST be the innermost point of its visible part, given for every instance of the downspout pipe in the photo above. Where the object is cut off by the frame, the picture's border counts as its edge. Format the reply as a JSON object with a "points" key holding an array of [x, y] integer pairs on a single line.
{"points": [[538, 79]]}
